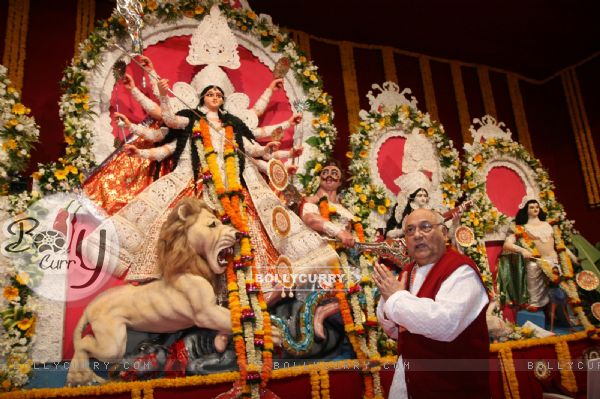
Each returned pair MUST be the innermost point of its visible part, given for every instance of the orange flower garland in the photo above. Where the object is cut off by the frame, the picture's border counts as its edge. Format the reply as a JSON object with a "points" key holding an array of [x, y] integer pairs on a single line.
{"points": [[315, 388], [360, 232], [369, 392], [251, 327], [355, 328], [563, 355], [236, 316], [268, 342], [509, 375], [324, 383], [324, 208], [327, 212]]}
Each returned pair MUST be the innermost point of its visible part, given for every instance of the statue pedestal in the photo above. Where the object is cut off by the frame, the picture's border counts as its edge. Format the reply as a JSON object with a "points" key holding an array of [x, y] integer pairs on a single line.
{"points": [[538, 318]]}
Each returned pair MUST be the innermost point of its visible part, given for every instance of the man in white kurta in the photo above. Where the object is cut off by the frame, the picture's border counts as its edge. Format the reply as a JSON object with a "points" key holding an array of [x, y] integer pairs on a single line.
{"points": [[459, 301]]}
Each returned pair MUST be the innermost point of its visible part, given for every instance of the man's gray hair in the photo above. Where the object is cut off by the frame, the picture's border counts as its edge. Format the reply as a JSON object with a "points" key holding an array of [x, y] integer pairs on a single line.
{"points": [[438, 216]]}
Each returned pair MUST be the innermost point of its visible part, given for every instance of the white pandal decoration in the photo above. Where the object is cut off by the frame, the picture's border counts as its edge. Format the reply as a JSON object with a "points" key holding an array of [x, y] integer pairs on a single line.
{"points": [[419, 152], [389, 98], [488, 128]]}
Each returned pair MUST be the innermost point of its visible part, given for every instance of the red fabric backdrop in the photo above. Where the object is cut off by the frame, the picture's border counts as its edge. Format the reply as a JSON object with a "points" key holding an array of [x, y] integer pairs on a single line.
{"points": [[389, 162], [505, 189]]}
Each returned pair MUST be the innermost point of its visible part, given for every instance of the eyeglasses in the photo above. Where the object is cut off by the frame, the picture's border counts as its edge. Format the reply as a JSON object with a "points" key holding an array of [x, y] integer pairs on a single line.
{"points": [[424, 227], [218, 95]]}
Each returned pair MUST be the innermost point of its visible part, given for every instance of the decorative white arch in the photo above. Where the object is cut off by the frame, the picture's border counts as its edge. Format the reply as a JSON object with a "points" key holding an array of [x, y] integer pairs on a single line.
{"points": [[393, 115]]}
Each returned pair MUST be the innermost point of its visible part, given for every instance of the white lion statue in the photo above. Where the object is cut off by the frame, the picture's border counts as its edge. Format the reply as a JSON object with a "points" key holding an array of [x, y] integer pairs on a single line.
{"points": [[192, 249]]}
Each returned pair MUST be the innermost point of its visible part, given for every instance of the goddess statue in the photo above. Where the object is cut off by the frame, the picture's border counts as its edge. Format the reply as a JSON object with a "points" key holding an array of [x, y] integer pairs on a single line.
{"points": [[533, 239]]}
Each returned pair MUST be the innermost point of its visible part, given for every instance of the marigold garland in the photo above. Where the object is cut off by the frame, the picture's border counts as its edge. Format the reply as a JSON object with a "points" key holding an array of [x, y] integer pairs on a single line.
{"points": [[250, 319], [509, 373], [148, 393], [268, 342], [534, 342], [369, 392], [505, 349], [113, 388], [324, 380], [360, 232], [563, 356], [364, 342], [324, 208], [315, 387], [505, 386]]}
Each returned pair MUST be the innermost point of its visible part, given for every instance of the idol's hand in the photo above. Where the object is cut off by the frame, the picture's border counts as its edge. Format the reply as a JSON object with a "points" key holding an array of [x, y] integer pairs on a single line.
{"points": [[347, 239], [128, 82], [163, 87], [272, 146], [276, 84], [295, 119], [119, 117], [131, 150], [146, 63]]}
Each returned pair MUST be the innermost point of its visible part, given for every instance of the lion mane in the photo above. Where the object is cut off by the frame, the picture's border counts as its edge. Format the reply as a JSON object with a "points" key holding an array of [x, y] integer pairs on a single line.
{"points": [[175, 254]]}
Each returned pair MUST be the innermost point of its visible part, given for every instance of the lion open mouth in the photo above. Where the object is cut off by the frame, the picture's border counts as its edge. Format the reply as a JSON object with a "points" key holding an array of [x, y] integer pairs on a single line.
{"points": [[224, 256]]}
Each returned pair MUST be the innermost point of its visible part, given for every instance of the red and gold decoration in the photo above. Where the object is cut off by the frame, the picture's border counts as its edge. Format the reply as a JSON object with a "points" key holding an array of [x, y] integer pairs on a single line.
{"points": [[281, 221], [464, 236], [559, 359], [285, 273], [587, 280], [278, 175], [596, 310], [541, 370]]}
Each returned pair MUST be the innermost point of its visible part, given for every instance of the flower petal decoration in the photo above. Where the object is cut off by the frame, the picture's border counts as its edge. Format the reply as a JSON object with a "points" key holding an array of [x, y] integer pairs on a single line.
{"points": [[18, 136]]}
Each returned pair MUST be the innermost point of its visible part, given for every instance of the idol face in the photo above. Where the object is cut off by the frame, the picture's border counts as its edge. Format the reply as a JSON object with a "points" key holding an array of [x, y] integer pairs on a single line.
{"points": [[331, 178], [421, 199], [213, 99], [533, 210]]}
